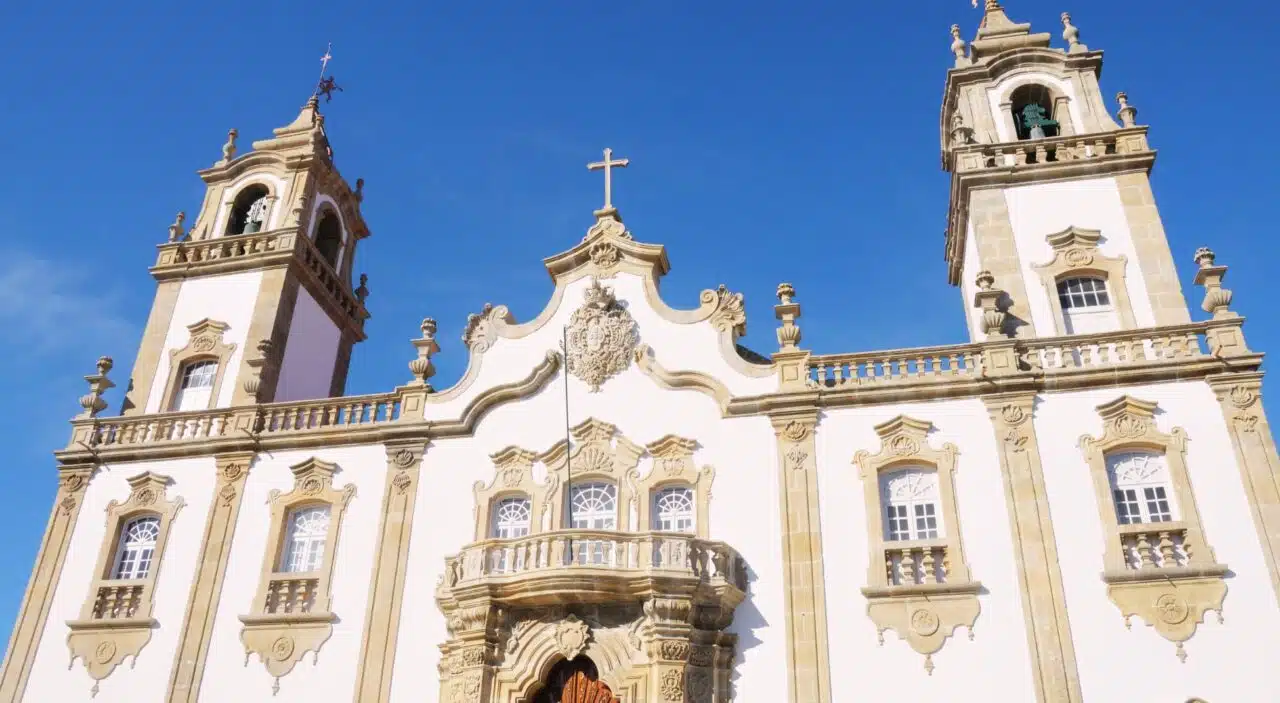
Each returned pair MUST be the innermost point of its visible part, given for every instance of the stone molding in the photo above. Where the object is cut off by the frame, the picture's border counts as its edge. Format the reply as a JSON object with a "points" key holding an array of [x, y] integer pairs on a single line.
{"points": [[33, 614], [292, 612], [1076, 253], [673, 466], [599, 454], [682, 380], [1044, 607], [925, 611], [1172, 594], [204, 343], [386, 592], [1254, 445], [115, 621], [192, 651], [804, 582]]}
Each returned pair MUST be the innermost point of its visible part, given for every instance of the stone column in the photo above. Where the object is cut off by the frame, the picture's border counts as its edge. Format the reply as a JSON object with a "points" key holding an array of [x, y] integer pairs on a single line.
{"points": [[386, 595], [804, 585], [1044, 606], [33, 615], [1240, 395], [206, 590]]}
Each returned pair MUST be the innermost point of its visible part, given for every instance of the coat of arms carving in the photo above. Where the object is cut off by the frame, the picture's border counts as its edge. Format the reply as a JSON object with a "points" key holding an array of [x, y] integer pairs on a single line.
{"points": [[601, 339]]}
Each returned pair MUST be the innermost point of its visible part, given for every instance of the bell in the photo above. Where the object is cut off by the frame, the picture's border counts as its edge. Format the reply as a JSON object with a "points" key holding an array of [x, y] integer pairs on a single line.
{"points": [[1037, 132]]}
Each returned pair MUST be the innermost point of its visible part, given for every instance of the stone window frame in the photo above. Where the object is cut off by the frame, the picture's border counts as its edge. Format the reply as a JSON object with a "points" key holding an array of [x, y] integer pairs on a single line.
{"points": [[103, 643], [512, 477], [229, 203], [280, 639], [1172, 599], [924, 614], [205, 342], [597, 456], [1076, 254], [673, 466]]}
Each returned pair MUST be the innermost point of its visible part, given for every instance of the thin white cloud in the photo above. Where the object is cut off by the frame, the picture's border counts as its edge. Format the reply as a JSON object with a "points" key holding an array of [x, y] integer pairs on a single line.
{"points": [[50, 306]]}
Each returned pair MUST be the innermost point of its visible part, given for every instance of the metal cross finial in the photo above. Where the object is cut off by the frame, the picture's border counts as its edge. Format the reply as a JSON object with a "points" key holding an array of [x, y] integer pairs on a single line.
{"points": [[324, 60], [326, 86], [607, 165]]}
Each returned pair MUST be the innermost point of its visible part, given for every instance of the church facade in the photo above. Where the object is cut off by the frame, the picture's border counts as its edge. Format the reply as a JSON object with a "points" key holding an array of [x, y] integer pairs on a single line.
{"points": [[619, 502]]}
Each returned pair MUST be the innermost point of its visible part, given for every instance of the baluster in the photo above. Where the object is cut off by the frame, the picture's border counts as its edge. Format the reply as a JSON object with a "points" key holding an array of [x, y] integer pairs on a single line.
{"points": [[890, 572], [1144, 551], [837, 374], [926, 563], [1167, 558], [908, 566]]}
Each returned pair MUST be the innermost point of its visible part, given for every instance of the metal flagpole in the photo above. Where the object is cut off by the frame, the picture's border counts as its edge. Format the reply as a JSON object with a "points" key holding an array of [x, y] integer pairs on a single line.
{"points": [[568, 463]]}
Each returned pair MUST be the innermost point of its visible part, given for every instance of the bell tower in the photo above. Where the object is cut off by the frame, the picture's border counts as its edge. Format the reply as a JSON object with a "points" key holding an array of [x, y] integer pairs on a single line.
{"points": [[1052, 218], [255, 303]]}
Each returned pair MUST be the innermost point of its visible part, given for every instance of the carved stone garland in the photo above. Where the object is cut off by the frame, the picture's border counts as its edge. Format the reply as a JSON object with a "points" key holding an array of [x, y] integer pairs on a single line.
{"points": [[292, 611], [115, 621], [602, 337], [921, 609], [1177, 579]]}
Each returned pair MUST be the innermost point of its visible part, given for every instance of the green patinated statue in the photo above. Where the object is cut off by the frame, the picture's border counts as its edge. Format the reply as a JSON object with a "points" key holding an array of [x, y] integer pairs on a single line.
{"points": [[1034, 121]]}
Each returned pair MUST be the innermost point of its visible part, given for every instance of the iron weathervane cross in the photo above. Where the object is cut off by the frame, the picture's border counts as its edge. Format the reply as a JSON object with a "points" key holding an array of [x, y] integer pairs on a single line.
{"points": [[326, 86], [607, 166]]}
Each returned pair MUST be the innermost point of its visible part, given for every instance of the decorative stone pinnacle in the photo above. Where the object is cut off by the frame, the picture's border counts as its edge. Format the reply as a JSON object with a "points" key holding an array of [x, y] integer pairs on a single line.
{"points": [[363, 291], [1128, 113], [991, 300], [359, 190], [958, 46], [1217, 300], [985, 280], [92, 401], [786, 292], [422, 368], [176, 230], [229, 149], [786, 311], [1071, 34], [1205, 257], [264, 364]]}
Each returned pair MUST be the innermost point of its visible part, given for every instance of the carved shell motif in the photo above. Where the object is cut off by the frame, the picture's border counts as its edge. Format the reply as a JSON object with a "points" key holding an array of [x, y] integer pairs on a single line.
{"points": [[602, 338]]}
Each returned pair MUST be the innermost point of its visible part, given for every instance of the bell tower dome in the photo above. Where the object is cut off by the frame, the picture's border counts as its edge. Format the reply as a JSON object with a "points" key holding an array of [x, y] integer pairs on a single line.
{"points": [[1051, 207], [256, 302]]}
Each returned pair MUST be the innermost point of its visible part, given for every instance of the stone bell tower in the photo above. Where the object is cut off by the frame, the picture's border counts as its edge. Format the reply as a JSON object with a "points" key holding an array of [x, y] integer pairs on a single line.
{"points": [[1052, 220], [256, 302]]}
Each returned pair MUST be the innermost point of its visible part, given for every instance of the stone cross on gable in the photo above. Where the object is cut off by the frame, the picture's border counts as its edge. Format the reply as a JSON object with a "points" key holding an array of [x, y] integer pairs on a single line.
{"points": [[607, 165]]}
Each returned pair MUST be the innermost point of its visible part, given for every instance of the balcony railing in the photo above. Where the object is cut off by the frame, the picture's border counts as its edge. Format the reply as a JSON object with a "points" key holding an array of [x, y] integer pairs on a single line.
{"points": [[291, 594], [900, 366], [1159, 545], [1053, 150], [916, 563], [643, 554], [117, 600]]}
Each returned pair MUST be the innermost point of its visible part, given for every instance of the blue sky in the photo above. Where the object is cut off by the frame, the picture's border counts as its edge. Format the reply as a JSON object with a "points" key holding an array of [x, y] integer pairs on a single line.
{"points": [[769, 142]]}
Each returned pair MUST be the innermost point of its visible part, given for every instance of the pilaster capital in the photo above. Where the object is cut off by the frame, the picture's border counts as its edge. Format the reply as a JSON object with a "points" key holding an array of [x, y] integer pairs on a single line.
{"points": [[795, 425]]}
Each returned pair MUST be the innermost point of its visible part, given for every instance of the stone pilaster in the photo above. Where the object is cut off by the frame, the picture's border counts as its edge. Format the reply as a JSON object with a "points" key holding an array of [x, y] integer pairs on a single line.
{"points": [[151, 348], [386, 594], [1255, 448], [998, 254], [1152, 246], [33, 615], [1044, 605], [804, 584], [272, 312], [202, 605]]}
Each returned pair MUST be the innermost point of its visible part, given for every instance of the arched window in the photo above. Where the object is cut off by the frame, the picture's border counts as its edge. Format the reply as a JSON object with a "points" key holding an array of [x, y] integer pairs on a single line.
{"points": [[249, 211], [1140, 487], [137, 547], [195, 386], [593, 506], [329, 237], [673, 509], [1086, 305], [911, 505], [1032, 106], [304, 545], [510, 518]]}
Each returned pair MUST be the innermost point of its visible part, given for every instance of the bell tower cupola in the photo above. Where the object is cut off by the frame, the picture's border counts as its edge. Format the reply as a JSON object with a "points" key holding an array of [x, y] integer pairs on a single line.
{"points": [[1051, 204], [257, 301]]}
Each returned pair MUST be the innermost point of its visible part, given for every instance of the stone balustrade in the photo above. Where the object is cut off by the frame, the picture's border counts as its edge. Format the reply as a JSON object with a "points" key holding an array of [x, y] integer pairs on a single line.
{"points": [[1158, 545], [117, 600], [916, 562], [224, 249], [641, 554], [901, 366], [1115, 348], [329, 413], [1052, 150], [294, 594]]}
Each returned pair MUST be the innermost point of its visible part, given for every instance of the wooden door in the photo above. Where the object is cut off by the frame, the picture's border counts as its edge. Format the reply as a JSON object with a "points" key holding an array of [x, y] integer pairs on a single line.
{"points": [[581, 688]]}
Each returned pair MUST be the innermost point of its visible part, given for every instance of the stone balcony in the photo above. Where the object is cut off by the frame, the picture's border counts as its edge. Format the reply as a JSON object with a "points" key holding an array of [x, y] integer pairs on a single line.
{"points": [[595, 567]]}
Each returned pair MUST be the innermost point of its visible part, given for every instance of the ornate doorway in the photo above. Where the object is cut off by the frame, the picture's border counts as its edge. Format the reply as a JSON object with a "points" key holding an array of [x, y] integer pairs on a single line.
{"points": [[574, 681]]}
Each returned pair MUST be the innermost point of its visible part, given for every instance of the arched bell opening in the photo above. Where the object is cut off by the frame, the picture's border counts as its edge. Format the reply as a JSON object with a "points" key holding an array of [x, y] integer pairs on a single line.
{"points": [[249, 210], [329, 238], [1032, 106]]}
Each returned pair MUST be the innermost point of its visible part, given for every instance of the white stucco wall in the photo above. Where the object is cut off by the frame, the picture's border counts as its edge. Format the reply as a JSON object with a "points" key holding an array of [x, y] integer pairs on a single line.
{"points": [[1037, 211], [148, 678], [996, 660], [1225, 662], [228, 299], [226, 677], [309, 353]]}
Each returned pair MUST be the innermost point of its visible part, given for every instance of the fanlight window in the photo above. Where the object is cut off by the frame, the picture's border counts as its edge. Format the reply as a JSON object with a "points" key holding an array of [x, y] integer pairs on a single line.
{"points": [[511, 518], [1141, 487], [195, 386], [673, 509], [593, 506], [911, 504], [137, 548], [308, 531], [249, 211], [329, 238]]}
